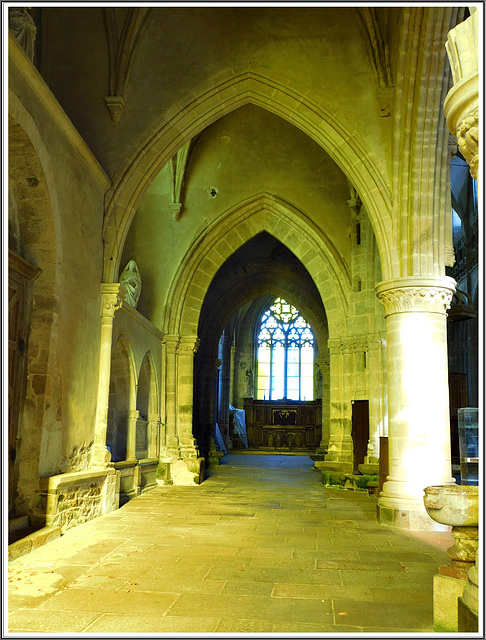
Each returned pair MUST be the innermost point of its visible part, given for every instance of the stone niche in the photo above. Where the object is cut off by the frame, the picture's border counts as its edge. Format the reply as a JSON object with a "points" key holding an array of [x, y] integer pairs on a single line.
{"points": [[74, 498]]}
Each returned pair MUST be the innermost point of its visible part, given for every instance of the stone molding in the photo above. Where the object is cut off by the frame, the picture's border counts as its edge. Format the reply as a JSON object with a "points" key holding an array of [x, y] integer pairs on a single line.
{"points": [[111, 298], [171, 342], [426, 294], [188, 344], [323, 364], [346, 345]]}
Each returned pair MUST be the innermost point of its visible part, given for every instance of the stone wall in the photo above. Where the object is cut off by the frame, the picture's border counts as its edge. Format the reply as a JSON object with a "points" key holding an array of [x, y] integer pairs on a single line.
{"points": [[73, 498]]}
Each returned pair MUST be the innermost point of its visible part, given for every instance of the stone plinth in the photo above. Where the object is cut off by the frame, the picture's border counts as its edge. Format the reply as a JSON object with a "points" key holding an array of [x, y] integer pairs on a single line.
{"points": [[74, 498], [456, 506], [187, 471]]}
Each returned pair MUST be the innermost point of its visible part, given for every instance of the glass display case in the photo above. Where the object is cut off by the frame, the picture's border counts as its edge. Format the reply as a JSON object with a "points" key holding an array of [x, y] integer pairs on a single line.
{"points": [[468, 429]]}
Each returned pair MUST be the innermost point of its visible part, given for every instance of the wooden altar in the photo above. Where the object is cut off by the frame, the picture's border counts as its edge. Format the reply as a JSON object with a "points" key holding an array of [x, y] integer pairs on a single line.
{"points": [[290, 425]]}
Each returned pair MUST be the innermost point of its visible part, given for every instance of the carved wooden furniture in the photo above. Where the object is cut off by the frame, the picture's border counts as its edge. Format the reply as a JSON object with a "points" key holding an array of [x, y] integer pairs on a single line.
{"points": [[289, 425]]}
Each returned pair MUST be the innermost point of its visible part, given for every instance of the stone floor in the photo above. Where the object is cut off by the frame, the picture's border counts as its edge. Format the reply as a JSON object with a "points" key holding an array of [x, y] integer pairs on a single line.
{"points": [[260, 547]]}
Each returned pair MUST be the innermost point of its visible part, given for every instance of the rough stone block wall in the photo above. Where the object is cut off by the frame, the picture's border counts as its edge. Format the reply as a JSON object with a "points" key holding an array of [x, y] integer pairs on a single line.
{"points": [[72, 504]]}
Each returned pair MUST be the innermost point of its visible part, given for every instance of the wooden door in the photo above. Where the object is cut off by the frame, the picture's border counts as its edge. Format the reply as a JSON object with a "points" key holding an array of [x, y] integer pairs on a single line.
{"points": [[360, 432]]}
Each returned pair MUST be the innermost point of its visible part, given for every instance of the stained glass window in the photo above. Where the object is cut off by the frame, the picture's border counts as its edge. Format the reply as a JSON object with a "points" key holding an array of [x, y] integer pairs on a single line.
{"points": [[285, 354]]}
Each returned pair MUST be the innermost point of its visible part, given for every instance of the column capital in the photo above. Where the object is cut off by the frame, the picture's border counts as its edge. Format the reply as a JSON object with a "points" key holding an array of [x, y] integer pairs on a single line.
{"points": [[171, 341], [188, 344], [112, 296], [334, 346], [416, 293], [323, 364], [347, 345]]}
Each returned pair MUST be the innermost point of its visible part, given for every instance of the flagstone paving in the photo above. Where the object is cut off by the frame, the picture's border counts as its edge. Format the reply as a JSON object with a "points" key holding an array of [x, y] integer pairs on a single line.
{"points": [[261, 546]]}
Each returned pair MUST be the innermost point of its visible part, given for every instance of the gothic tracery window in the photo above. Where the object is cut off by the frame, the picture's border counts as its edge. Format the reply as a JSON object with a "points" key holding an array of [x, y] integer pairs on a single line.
{"points": [[285, 354]]}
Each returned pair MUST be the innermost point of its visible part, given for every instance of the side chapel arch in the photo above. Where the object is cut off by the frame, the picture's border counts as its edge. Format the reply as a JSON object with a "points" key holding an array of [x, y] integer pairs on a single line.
{"points": [[234, 228], [232, 89], [147, 406], [122, 400], [36, 436]]}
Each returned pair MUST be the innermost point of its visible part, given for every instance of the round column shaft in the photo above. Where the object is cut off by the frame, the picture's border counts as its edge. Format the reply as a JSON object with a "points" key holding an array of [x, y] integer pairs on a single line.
{"points": [[418, 396]]}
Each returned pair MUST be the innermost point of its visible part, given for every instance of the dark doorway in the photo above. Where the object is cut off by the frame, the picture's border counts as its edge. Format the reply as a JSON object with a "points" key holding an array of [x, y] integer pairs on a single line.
{"points": [[360, 431]]}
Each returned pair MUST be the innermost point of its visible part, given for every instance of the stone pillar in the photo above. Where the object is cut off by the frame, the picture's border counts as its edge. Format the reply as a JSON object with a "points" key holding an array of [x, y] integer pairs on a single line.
{"points": [[133, 416], [377, 398], [323, 364], [185, 395], [111, 299], [205, 371], [418, 396], [153, 434], [339, 455], [170, 344], [461, 106]]}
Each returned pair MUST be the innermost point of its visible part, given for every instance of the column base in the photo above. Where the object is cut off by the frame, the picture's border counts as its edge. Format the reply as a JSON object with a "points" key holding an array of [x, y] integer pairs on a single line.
{"points": [[335, 465], [187, 471], [394, 516]]}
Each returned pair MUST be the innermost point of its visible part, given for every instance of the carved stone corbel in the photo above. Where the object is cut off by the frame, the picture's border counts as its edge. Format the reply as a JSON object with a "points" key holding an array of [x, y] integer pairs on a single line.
{"points": [[461, 106]]}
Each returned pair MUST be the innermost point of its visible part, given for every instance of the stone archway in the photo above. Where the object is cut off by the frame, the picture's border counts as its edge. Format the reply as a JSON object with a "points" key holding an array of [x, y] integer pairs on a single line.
{"points": [[229, 232], [119, 439], [147, 437], [229, 91], [34, 241]]}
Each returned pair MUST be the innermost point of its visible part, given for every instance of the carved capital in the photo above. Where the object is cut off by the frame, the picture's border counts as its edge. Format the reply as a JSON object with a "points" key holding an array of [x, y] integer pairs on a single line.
{"points": [[355, 205], [462, 114], [323, 364], [112, 296], [188, 345], [347, 345], [334, 346], [360, 343], [171, 342], [426, 294], [467, 139]]}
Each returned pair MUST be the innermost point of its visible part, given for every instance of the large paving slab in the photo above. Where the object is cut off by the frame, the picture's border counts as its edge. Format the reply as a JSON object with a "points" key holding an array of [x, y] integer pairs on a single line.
{"points": [[260, 547]]}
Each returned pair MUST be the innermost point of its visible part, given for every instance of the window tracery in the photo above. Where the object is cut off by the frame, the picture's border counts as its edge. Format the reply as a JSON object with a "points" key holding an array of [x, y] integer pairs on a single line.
{"points": [[285, 354]]}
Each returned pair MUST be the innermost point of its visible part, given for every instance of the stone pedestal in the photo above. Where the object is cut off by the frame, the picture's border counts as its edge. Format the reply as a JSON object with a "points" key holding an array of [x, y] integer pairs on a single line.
{"points": [[468, 604], [455, 587]]}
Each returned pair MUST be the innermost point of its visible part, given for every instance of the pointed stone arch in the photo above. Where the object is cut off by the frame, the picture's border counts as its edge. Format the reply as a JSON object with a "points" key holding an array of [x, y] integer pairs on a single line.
{"points": [[148, 405], [263, 212], [122, 398], [229, 90], [35, 240]]}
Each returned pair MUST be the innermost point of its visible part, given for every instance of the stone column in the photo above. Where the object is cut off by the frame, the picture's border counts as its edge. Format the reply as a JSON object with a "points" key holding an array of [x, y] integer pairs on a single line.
{"points": [[185, 394], [418, 396], [323, 364], [153, 434], [133, 416], [339, 456], [170, 344], [377, 398], [112, 296], [461, 106]]}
